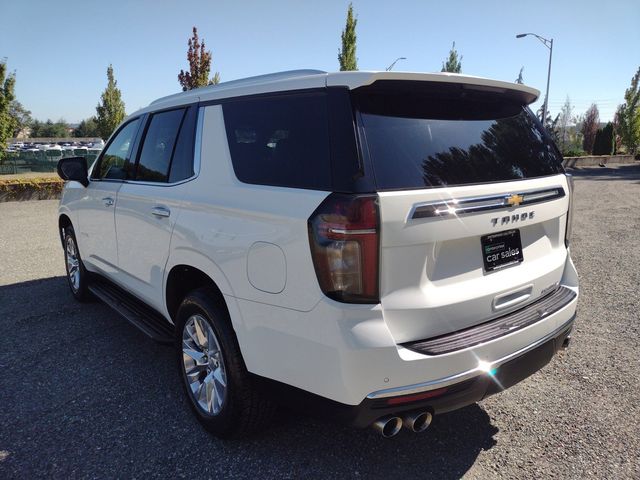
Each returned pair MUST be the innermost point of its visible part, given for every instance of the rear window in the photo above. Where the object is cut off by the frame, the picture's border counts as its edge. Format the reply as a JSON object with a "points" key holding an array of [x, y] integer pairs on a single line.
{"points": [[448, 139], [281, 140]]}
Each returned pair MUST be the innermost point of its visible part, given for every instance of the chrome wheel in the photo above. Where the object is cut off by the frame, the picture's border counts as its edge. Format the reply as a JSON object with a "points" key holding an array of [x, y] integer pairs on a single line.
{"points": [[73, 263], [203, 365]]}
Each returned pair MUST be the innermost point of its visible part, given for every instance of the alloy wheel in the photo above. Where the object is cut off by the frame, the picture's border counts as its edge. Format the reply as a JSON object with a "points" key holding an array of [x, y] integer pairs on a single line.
{"points": [[203, 365]]}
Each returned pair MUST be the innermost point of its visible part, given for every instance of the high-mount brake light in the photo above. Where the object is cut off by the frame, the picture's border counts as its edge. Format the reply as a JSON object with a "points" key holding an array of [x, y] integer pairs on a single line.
{"points": [[344, 235]]}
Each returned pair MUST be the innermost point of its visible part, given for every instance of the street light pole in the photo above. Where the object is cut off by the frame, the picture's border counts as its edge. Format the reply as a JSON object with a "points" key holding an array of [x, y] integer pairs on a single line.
{"points": [[549, 44], [388, 69]]}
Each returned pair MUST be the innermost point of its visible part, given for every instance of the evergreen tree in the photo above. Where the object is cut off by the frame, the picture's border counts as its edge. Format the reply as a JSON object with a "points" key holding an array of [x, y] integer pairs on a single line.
{"points": [[628, 116], [7, 96], [519, 79], [453, 64], [110, 111], [347, 54], [604, 142], [87, 128], [590, 128], [199, 65]]}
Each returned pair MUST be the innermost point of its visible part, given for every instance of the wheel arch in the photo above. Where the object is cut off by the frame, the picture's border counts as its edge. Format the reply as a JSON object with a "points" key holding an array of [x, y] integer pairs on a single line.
{"points": [[63, 222]]}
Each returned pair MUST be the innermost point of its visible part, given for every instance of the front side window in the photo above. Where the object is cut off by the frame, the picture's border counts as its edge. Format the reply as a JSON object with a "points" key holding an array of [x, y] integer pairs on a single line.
{"points": [[158, 146], [114, 163], [281, 140]]}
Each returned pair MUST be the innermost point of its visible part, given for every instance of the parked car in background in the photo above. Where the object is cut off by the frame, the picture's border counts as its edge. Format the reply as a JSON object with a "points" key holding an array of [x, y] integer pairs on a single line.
{"points": [[380, 247]]}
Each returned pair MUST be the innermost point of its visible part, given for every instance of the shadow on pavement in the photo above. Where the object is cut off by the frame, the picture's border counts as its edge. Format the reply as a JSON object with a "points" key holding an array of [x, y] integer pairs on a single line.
{"points": [[83, 393]]}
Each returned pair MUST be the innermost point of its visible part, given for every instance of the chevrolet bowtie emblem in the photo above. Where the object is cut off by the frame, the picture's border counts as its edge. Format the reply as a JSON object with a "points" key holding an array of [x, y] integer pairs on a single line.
{"points": [[515, 200]]}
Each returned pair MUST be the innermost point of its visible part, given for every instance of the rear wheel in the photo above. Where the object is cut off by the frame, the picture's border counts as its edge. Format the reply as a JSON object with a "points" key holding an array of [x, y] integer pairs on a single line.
{"points": [[76, 273], [213, 373]]}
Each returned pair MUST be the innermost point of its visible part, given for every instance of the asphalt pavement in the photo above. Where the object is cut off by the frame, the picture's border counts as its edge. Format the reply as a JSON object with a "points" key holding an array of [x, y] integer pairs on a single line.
{"points": [[85, 395]]}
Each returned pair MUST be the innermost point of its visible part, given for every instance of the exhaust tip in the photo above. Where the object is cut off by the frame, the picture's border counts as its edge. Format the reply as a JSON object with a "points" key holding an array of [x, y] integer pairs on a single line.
{"points": [[388, 426], [417, 421]]}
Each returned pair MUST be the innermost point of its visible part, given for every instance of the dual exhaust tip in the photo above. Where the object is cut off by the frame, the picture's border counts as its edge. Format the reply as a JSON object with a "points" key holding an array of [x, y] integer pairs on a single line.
{"points": [[390, 425]]}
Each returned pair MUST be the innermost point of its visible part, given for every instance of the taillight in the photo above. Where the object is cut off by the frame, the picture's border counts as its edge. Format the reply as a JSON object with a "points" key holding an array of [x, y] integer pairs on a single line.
{"points": [[344, 238], [567, 234]]}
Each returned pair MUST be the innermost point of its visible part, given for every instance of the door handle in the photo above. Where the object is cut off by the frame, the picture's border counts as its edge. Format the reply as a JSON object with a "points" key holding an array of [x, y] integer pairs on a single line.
{"points": [[108, 201], [160, 211]]}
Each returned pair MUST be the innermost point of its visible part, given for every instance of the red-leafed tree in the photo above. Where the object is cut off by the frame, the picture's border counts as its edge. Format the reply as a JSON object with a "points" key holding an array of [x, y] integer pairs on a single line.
{"points": [[590, 127], [199, 59]]}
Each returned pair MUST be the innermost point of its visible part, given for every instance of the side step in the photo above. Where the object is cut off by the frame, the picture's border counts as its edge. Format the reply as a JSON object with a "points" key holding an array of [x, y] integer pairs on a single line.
{"points": [[137, 313]]}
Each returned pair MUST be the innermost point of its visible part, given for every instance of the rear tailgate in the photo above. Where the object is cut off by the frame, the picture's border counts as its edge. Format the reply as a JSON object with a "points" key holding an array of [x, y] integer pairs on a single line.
{"points": [[433, 275], [473, 203]]}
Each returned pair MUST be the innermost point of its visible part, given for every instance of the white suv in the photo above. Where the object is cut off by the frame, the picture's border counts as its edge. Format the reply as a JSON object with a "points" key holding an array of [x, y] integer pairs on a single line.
{"points": [[377, 246]]}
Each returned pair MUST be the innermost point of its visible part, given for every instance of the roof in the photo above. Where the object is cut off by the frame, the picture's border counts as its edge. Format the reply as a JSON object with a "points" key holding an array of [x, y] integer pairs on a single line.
{"points": [[304, 79]]}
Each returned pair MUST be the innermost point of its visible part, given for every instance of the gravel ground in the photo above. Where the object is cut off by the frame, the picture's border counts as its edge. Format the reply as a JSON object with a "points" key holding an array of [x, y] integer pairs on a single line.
{"points": [[83, 394]]}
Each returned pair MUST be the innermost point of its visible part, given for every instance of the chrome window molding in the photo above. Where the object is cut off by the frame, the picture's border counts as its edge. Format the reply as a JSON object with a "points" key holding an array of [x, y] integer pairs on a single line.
{"points": [[455, 206]]}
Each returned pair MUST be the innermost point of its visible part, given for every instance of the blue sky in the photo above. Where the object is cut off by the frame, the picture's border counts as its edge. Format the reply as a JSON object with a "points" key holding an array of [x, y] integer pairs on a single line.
{"points": [[60, 49]]}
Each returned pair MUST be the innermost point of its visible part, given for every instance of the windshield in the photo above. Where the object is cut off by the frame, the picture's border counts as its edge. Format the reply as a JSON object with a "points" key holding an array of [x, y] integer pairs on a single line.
{"points": [[421, 141]]}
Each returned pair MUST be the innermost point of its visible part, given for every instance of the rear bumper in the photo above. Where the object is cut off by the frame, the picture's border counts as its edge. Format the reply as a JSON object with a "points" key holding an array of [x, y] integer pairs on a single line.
{"points": [[346, 353], [444, 396], [469, 387]]}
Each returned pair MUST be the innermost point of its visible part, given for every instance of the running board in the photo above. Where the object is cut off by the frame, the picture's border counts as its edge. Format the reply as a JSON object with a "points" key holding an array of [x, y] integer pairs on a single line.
{"points": [[145, 318]]}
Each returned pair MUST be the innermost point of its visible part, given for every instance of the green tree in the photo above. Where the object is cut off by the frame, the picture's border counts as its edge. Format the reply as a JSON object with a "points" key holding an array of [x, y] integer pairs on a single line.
{"points": [[199, 65], [520, 79], [87, 128], [7, 95], [21, 118], [589, 128], [453, 64], [110, 110], [629, 116], [347, 54], [49, 129]]}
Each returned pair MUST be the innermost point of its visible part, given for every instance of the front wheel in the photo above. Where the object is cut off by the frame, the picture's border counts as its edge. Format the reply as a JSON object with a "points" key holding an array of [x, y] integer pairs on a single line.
{"points": [[76, 274], [213, 373]]}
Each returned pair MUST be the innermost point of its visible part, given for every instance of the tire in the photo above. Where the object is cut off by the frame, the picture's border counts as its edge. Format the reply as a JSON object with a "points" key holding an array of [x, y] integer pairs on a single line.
{"points": [[77, 275], [218, 386]]}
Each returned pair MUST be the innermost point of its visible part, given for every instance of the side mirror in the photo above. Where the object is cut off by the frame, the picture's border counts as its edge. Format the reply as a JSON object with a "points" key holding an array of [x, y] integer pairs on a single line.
{"points": [[74, 168]]}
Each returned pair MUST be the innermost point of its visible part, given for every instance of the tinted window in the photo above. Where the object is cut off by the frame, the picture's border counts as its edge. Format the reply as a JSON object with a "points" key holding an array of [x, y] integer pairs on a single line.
{"points": [[157, 149], [114, 163], [417, 142], [182, 162], [281, 140]]}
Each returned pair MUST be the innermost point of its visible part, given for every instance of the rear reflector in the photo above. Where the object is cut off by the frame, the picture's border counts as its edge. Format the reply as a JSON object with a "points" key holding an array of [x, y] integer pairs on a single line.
{"points": [[417, 396]]}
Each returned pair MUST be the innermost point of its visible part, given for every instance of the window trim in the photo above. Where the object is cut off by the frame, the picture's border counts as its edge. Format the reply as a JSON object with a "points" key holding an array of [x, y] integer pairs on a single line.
{"points": [[98, 162]]}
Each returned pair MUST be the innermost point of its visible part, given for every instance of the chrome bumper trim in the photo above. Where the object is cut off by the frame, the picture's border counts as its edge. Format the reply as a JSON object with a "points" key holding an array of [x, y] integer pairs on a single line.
{"points": [[483, 369]]}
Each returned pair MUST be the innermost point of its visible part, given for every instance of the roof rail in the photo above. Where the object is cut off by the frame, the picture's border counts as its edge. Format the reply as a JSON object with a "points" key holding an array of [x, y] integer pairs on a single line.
{"points": [[273, 76], [269, 77]]}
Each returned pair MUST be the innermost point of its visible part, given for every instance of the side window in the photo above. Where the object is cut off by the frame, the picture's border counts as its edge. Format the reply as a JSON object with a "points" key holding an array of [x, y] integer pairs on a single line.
{"points": [[182, 162], [115, 160], [158, 146], [280, 140]]}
